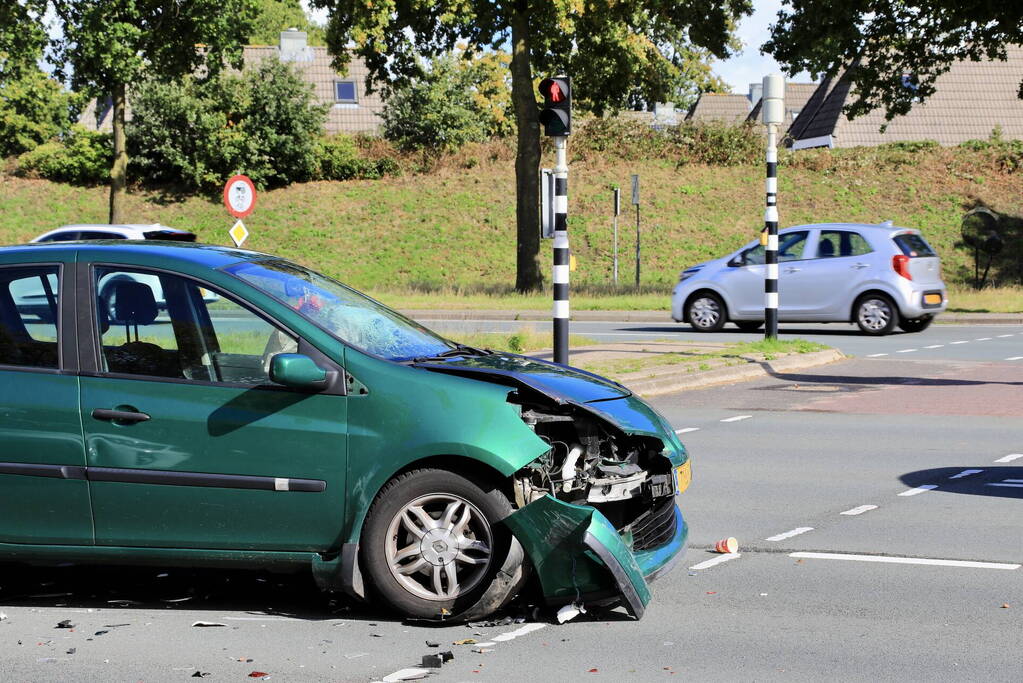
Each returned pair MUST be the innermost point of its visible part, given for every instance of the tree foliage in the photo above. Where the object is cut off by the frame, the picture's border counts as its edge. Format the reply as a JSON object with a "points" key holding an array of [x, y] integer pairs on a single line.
{"points": [[896, 49], [274, 16], [457, 100], [609, 47], [263, 122], [33, 109], [22, 37]]}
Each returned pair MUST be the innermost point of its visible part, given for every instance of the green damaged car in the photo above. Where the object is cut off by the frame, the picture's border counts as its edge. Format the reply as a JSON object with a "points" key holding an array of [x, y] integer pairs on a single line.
{"points": [[254, 413]]}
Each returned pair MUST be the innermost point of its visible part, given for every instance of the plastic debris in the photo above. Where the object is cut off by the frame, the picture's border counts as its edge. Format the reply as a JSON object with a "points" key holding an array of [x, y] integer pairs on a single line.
{"points": [[72, 650], [432, 643], [64, 624], [207, 624], [465, 641], [201, 674], [406, 675], [482, 650], [569, 612], [3, 615], [432, 661], [593, 671], [259, 674], [100, 633], [727, 546], [355, 655], [447, 655], [1005, 605]]}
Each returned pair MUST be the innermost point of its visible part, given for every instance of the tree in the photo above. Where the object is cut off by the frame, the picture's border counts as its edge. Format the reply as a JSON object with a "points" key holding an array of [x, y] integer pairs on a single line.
{"points": [[458, 100], [274, 16], [607, 46], [33, 109], [22, 37], [895, 49], [109, 45]]}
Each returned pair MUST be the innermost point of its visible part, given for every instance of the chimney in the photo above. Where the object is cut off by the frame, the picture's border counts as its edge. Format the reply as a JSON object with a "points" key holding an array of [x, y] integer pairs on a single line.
{"points": [[293, 46]]}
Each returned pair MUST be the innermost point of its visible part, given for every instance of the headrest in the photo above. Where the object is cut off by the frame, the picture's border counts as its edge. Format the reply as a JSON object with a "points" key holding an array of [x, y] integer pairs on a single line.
{"points": [[104, 317], [826, 249], [134, 303]]}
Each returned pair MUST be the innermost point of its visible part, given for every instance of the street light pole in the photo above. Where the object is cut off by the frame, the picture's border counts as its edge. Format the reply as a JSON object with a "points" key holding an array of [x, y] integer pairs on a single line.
{"points": [[773, 112]]}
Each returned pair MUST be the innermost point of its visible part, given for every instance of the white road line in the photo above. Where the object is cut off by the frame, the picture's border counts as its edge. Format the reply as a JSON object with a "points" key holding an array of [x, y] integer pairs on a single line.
{"points": [[707, 564], [1015, 358], [965, 473], [736, 418], [1010, 457], [983, 339], [1002, 336], [1008, 486], [906, 351], [961, 342], [859, 510], [877, 355], [934, 346], [790, 534], [686, 430], [919, 489], [906, 560]]}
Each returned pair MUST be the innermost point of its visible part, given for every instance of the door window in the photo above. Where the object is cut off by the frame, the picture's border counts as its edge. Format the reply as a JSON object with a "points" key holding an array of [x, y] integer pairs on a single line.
{"points": [[841, 243], [160, 325], [790, 248], [29, 299]]}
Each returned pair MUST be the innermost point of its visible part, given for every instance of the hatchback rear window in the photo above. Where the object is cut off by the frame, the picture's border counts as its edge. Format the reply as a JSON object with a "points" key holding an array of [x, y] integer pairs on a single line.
{"points": [[170, 235], [913, 245]]}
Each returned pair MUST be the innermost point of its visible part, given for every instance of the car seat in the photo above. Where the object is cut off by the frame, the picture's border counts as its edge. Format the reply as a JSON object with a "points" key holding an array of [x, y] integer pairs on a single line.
{"points": [[825, 249], [134, 305]]}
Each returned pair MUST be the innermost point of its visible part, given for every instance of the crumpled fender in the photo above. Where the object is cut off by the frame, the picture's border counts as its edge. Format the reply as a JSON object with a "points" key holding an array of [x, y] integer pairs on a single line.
{"points": [[577, 554]]}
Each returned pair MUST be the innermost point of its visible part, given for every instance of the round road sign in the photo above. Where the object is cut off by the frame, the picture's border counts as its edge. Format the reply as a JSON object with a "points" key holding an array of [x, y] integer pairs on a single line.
{"points": [[239, 196]]}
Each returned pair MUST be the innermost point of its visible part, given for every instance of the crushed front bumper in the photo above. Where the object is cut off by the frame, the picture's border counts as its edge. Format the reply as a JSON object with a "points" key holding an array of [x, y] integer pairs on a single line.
{"points": [[579, 556]]}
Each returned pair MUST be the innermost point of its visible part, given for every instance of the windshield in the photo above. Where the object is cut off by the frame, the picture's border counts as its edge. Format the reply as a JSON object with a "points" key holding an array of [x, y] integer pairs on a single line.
{"points": [[350, 316]]}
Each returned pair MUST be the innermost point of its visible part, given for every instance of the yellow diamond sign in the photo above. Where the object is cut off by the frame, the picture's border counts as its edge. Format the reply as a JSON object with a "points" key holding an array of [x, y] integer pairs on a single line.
{"points": [[238, 233]]}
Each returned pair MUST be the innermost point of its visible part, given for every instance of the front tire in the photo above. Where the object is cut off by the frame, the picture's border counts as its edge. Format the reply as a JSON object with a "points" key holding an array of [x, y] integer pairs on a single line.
{"points": [[706, 312], [748, 325], [916, 324], [876, 314], [433, 548]]}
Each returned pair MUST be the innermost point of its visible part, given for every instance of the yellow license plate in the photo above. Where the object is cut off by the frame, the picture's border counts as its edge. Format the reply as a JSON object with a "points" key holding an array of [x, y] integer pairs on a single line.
{"points": [[932, 298], [683, 476]]}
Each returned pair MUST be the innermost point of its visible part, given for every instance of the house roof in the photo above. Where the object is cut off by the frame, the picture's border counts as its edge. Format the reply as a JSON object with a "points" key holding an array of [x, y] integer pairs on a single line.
{"points": [[796, 97], [969, 101], [712, 106]]}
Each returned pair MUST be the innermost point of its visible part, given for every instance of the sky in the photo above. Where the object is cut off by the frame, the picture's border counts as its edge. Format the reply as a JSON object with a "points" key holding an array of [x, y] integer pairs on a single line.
{"points": [[748, 66]]}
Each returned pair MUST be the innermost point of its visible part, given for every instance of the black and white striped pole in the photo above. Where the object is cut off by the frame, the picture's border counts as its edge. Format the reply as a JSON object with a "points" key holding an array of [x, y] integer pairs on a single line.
{"points": [[773, 112], [556, 117]]}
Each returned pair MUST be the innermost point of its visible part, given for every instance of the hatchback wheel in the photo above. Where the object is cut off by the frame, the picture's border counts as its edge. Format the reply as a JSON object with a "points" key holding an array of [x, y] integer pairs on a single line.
{"points": [[916, 324], [876, 314], [706, 312], [433, 549], [748, 325]]}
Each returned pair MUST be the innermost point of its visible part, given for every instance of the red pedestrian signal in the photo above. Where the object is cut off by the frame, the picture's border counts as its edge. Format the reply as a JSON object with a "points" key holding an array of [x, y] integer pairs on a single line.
{"points": [[556, 115]]}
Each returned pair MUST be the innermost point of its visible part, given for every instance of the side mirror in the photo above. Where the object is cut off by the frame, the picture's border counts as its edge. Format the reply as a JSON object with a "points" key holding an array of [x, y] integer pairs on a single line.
{"points": [[738, 260], [297, 371]]}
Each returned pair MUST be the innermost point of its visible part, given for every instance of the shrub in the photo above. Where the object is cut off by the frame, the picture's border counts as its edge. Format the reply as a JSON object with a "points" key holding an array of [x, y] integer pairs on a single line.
{"points": [[717, 143], [33, 109], [81, 156]]}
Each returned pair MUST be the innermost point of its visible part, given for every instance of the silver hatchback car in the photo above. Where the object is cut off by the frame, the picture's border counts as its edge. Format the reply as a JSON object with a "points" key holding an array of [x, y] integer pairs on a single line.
{"points": [[878, 276]]}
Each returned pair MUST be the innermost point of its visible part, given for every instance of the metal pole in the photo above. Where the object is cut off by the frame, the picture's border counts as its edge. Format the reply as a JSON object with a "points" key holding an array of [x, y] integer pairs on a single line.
{"points": [[637, 246], [771, 225], [618, 205], [561, 252]]}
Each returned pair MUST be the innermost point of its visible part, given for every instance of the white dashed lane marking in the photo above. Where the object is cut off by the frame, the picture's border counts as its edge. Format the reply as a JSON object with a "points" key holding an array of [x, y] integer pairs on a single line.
{"points": [[877, 355], [1010, 457], [790, 534], [906, 351], [934, 346], [736, 418], [919, 489], [906, 560], [983, 339], [1002, 336], [1014, 358], [686, 430], [859, 510], [706, 564], [960, 342]]}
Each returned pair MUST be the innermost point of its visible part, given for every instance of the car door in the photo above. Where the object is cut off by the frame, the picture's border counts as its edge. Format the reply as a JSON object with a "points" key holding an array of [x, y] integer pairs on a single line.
{"points": [[744, 281], [821, 288], [44, 495], [189, 443]]}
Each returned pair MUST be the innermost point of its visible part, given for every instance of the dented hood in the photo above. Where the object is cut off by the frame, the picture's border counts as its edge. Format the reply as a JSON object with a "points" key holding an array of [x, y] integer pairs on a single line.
{"points": [[558, 382]]}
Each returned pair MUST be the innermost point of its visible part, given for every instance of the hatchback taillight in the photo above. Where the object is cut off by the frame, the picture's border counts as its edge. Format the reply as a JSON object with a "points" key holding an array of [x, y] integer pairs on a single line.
{"points": [[900, 264]]}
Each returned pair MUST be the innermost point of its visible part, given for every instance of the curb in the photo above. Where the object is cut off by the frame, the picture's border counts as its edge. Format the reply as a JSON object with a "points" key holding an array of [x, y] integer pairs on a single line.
{"points": [[728, 375]]}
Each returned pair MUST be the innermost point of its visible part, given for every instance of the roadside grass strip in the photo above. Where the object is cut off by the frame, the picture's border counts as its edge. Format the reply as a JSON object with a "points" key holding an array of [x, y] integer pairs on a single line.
{"points": [[707, 564], [736, 418], [859, 510], [924, 488], [790, 534], [1010, 457], [905, 560]]}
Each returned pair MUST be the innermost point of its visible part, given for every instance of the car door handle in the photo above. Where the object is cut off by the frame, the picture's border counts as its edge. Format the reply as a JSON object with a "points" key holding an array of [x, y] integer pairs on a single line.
{"points": [[792, 269], [857, 266], [119, 415]]}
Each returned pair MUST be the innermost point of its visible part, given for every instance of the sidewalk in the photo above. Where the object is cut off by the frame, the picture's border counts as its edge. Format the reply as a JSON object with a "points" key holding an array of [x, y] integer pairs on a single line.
{"points": [[665, 317]]}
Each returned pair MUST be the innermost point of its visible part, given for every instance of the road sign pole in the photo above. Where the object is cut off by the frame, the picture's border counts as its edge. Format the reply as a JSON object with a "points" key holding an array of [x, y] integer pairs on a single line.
{"points": [[618, 210], [773, 109], [635, 200], [561, 252]]}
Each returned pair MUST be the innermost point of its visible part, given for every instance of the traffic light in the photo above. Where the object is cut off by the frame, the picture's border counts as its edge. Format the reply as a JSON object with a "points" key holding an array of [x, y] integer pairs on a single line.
{"points": [[556, 115]]}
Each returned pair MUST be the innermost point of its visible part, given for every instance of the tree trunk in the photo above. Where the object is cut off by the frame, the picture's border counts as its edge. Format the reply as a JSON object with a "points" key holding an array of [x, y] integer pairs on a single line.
{"points": [[528, 275], [119, 169]]}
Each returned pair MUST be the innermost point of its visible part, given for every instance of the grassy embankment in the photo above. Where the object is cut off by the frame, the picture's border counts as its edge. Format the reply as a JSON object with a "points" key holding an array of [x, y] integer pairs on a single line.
{"points": [[446, 239]]}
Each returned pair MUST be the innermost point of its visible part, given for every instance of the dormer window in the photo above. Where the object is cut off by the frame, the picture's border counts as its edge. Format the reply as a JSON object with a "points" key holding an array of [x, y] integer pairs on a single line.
{"points": [[345, 92]]}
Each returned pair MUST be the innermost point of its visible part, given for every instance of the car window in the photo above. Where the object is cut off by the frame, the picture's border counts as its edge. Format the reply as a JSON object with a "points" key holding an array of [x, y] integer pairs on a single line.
{"points": [[69, 236], [100, 235], [790, 248], [841, 243], [29, 317], [913, 245], [161, 325]]}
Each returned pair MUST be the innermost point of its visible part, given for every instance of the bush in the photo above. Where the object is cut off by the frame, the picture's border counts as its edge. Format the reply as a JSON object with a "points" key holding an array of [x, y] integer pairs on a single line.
{"points": [[338, 159], [81, 156], [263, 123], [705, 142], [33, 109]]}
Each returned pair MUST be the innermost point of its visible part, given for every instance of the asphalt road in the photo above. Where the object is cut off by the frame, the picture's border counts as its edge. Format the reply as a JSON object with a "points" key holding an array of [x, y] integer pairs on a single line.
{"points": [[895, 472]]}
